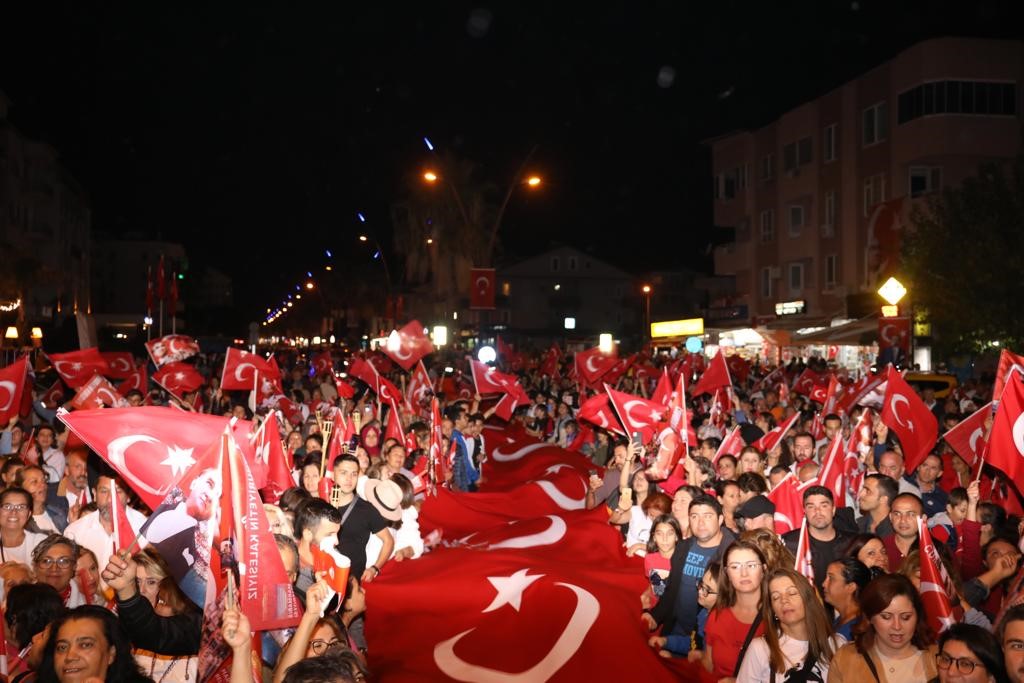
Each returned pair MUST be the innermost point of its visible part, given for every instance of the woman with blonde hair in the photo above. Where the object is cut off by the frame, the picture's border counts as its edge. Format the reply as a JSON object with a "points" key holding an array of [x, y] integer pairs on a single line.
{"points": [[159, 588], [776, 554], [798, 643]]}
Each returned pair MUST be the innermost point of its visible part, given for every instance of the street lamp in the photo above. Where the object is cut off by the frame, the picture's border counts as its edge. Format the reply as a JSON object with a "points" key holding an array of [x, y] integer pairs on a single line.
{"points": [[430, 176], [892, 291], [646, 289], [383, 259]]}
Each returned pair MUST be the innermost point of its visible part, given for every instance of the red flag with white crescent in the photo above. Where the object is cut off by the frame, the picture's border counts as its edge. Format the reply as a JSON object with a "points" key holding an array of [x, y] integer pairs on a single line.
{"points": [[1009, 363], [598, 411], [120, 364], [77, 367], [936, 585], [910, 419], [789, 504], [804, 565], [481, 288], [1006, 440], [715, 377], [270, 450], [772, 438], [438, 463], [592, 364], [637, 414], [419, 389], [732, 444], [12, 388], [240, 368], [408, 345], [179, 378], [97, 393], [967, 438]]}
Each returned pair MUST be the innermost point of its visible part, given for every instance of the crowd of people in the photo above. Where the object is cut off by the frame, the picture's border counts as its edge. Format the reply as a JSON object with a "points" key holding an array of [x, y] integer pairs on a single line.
{"points": [[723, 589]]}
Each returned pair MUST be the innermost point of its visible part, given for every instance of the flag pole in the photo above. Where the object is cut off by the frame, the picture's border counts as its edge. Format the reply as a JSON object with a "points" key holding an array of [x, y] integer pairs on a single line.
{"points": [[161, 317]]}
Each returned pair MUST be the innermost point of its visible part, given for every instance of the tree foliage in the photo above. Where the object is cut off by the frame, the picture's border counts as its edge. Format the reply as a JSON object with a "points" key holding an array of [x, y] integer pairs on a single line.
{"points": [[963, 257]]}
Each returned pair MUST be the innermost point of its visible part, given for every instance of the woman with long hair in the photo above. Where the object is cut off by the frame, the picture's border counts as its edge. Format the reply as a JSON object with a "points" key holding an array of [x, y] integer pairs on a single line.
{"points": [[869, 549], [845, 580], [798, 643], [736, 619], [892, 643], [160, 590]]}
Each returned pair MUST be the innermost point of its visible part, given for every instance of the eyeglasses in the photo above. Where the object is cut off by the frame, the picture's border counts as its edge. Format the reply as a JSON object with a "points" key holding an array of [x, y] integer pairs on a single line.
{"points": [[739, 566], [62, 562], [705, 589], [14, 507], [321, 646], [963, 664]]}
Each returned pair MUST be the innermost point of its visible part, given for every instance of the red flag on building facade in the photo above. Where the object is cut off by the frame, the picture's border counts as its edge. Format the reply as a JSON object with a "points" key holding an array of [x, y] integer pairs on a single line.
{"points": [[894, 333], [482, 288]]}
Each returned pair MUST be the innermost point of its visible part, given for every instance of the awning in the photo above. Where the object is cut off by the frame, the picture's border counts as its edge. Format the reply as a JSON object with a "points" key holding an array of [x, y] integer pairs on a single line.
{"points": [[851, 334]]}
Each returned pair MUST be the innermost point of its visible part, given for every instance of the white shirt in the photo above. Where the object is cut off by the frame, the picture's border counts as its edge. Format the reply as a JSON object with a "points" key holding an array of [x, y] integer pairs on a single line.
{"points": [[44, 523], [756, 666], [639, 529], [408, 535], [88, 531], [52, 461], [23, 552]]}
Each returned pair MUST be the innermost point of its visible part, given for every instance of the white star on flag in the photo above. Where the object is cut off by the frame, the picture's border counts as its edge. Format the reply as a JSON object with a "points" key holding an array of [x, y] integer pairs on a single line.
{"points": [[76, 366], [178, 459], [510, 589]]}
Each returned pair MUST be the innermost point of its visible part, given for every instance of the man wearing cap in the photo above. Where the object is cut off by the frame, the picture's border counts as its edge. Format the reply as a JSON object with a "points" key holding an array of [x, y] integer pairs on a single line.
{"points": [[756, 513]]}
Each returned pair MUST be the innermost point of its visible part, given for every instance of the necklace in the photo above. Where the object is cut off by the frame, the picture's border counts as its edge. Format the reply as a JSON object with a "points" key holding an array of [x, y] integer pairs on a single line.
{"points": [[152, 667]]}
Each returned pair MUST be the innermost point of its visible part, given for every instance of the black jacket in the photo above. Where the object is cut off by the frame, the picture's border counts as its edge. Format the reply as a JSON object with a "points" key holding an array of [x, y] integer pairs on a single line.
{"points": [[664, 611], [174, 636]]}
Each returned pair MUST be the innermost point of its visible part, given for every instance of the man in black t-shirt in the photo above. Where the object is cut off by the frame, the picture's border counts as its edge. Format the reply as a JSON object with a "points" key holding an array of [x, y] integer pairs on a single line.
{"points": [[359, 519], [827, 541]]}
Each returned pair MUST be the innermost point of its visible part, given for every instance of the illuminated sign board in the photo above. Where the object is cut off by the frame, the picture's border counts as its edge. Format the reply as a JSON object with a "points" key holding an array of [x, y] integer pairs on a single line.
{"points": [[790, 307], [690, 327]]}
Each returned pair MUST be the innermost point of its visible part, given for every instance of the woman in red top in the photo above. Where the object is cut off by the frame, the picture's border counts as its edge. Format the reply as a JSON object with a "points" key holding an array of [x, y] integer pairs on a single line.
{"points": [[737, 612]]}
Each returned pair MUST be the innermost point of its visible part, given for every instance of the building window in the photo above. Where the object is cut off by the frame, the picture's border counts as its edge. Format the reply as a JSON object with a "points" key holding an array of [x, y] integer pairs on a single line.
{"points": [[874, 192], [789, 157], [876, 124], [797, 154], [924, 180], [796, 278], [572, 263], [506, 288], [828, 224], [725, 185], [768, 226], [796, 220], [830, 271], [741, 177], [829, 142], [767, 167], [766, 283], [957, 97], [554, 264]]}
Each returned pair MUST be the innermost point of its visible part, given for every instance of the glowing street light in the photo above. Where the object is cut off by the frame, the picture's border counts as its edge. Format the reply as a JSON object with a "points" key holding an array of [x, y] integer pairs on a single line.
{"points": [[430, 176], [533, 181], [309, 285], [605, 343], [363, 238], [892, 291]]}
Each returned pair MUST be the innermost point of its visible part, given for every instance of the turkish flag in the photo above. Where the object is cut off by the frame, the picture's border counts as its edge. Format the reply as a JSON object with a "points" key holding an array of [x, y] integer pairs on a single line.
{"points": [[592, 364], [967, 438], [549, 366], [715, 377], [739, 367], [868, 391], [618, 370], [270, 450], [789, 504], [808, 380], [343, 388], [240, 368], [597, 410], [894, 333], [97, 393], [489, 380], [408, 345], [12, 387], [120, 364], [171, 348], [907, 415], [508, 403], [124, 535], [732, 444], [437, 464], [77, 367], [151, 447], [178, 378], [331, 564], [161, 292], [419, 389], [804, 564], [832, 474], [508, 465], [936, 585], [321, 362], [561, 488], [637, 414], [137, 380], [663, 392], [1009, 363], [362, 370], [394, 426], [510, 614], [1006, 441], [772, 438], [51, 397], [481, 288], [769, 380]]}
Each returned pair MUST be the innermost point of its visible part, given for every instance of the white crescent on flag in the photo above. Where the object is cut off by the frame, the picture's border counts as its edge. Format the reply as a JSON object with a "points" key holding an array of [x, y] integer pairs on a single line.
{"points": [[900, 398], [510, 591], [238, 371], [1018, 434], [560, 499], [501, 456], [116, 455], [11, 387]]}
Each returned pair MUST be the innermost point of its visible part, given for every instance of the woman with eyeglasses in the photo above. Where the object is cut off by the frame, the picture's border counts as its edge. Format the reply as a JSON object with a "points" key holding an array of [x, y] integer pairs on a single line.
{"points": [[315, 635], [970, 654], [736, 619], [54, 561], [798, 643], [16, 543], [892, 644]]}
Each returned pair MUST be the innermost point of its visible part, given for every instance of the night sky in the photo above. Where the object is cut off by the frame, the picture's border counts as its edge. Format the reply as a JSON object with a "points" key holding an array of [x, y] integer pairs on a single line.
{"points": [[260, 132]]}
